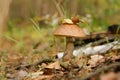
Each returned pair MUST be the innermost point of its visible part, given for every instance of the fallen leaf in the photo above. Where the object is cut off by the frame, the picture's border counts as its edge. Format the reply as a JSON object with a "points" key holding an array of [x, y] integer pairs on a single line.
{"points": [[115, 57], [22, 73], [55, 65], [95, 60], [69, 21], [109, 76], [52, 68], [35, 74], [45, 77]]}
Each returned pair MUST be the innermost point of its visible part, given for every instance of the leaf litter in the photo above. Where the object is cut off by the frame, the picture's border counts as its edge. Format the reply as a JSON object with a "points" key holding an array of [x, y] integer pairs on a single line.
{"points": [[84, 67], [98, 65]]}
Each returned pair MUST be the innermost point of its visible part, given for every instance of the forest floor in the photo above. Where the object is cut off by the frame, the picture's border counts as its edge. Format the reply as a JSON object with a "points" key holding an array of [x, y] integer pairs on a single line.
{"points": [[32, 55]]}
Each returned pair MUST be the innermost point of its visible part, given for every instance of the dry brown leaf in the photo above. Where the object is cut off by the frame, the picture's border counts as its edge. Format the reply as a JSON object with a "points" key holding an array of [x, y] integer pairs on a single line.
{"points": [[96, 59], [14, 60], [109, 76], [52, 68], [35, 74], [55, 65], [44, 77], [115, 57]]}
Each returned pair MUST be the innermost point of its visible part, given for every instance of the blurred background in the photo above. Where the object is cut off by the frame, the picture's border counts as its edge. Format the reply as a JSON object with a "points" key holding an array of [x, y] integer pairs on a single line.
{"points": [[26, 26]]}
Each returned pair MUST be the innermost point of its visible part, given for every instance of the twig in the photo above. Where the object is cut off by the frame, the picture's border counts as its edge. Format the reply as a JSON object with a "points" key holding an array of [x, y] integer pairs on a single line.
{"points": [[44, 60], [97, 38]]}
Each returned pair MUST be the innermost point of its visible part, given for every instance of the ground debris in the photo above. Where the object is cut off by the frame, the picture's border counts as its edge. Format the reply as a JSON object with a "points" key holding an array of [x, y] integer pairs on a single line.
{"points": [[102, 64], [98, 64]]}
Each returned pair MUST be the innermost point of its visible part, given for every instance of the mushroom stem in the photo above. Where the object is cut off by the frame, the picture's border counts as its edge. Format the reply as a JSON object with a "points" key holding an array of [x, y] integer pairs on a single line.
{"points": [[69, 49]]}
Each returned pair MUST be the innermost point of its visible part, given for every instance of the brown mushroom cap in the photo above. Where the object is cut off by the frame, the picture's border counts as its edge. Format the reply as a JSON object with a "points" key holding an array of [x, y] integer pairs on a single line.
{"points": [[70, 30]]}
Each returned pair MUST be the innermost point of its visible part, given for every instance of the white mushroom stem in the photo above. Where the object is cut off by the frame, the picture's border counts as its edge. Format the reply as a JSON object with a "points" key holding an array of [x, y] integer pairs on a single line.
{"points": [[69, 49]]}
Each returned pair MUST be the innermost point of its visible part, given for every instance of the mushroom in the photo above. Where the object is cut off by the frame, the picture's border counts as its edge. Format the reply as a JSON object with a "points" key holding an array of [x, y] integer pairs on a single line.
{"points": [[70, 31]]}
